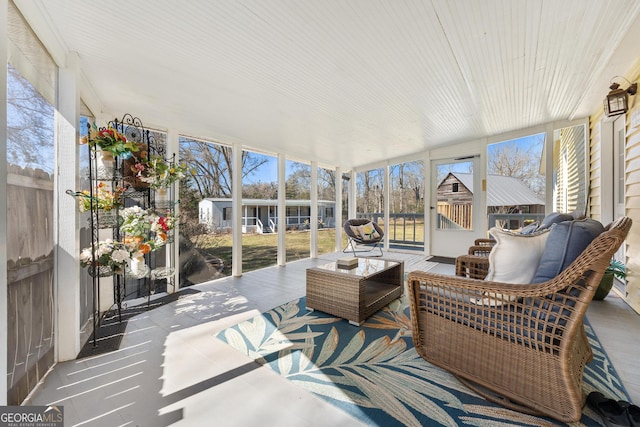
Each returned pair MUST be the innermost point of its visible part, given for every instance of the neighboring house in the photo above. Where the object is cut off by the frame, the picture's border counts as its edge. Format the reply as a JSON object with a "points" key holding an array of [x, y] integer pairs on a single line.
{"points": [[261, 215], [505, 194]]}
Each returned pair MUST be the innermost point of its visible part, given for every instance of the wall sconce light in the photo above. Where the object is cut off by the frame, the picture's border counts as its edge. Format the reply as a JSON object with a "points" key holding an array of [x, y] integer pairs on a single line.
{"points": [[617, 101]]}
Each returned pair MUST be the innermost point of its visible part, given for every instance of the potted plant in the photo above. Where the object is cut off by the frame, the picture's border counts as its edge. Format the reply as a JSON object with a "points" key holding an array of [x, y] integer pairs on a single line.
{"points": [[615, 269], [110, 141]]}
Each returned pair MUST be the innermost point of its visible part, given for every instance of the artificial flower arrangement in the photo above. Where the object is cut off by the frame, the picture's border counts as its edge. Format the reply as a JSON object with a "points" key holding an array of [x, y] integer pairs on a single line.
{"points": [[158, 172], [103, 198], [110, 140], [163, 226], [108, 253], [139, 222]]}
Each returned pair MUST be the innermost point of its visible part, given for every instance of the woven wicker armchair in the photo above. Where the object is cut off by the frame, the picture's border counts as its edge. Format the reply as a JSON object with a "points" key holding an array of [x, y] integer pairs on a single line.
{"points": [[529, 354], [356, 239]]}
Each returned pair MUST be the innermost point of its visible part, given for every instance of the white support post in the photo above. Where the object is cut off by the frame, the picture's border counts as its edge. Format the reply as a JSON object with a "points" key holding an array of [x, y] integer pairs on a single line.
{"points": [[426, 194], [282, 210], [387, 205], [352, 208], [66, 228], [337, 210], [173, 256], [236, 209], [549, 144], [4, 291], [313, 221], [605, 215]]}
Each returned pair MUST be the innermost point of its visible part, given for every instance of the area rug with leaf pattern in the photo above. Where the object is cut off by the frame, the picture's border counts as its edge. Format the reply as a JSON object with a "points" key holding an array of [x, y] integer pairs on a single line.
{"points": [[374, 372]]}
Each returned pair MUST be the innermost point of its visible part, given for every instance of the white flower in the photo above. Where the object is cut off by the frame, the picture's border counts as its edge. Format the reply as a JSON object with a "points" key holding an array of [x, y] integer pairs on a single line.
{"points": [[103, 249], [85, 255], [120, 255]]}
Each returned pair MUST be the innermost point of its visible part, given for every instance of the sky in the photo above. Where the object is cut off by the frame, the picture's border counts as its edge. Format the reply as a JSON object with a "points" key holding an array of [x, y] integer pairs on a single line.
{"points": [[268, 172]]}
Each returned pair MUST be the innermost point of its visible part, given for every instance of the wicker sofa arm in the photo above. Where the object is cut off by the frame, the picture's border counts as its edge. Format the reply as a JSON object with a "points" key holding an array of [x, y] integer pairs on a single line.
{"points": [[479, 250], [472, 287], [484, 242]]}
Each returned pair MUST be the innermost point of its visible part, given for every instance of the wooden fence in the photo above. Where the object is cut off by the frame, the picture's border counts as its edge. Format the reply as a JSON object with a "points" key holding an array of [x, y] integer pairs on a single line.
{"points": [[461, 214], [30, 276]]}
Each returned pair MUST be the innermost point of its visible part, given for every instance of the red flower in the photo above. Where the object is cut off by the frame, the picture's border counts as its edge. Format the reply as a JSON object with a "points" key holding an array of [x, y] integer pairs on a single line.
{"points": [[162, 221]]}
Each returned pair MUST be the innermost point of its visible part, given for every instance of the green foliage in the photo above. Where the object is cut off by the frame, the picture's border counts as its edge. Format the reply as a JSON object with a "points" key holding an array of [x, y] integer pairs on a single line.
{"points": [[617, 268]]}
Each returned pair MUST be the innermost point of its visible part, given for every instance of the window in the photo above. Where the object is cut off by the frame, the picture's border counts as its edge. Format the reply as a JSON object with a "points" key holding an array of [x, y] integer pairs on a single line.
{"points": [[31, 76], [455, 187], [226, 214]]}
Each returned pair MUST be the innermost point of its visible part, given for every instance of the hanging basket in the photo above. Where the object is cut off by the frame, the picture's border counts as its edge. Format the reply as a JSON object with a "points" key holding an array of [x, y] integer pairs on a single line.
{"points": [[100, 271], [105, 218], [130, 171], [162, 273]]}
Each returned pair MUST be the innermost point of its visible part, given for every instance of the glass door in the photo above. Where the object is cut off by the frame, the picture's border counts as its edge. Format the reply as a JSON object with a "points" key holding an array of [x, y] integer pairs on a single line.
{"points": [[454, 195], [619, 144]]}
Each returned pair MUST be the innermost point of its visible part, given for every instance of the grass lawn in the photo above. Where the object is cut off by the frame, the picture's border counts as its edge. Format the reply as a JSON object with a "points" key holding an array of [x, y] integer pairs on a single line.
{"points": [[260, 250]]}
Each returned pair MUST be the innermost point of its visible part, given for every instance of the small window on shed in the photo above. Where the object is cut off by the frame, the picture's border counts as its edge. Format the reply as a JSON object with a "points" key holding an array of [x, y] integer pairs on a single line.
{"points": [[226, 214], [455, 187]]}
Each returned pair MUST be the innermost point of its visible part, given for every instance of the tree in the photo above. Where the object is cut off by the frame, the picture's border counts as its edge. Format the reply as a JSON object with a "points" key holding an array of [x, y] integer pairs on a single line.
{"points": [[370, 186], [326, 184], [519, 160], [213, 166], [407, 187], [30, 125], [298, 184], [260, 190]]}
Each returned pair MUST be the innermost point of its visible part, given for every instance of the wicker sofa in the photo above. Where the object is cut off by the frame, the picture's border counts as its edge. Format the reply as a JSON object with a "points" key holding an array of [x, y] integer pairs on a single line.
{"points": [[527, 350]]}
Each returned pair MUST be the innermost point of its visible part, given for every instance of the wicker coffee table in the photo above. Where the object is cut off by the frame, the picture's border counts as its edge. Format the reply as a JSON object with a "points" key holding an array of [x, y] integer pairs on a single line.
{"points": [[354, 294]]}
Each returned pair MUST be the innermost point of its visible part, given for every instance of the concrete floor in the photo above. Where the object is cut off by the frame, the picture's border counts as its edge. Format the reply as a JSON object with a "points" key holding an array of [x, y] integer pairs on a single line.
{"points": [[170, 370]]}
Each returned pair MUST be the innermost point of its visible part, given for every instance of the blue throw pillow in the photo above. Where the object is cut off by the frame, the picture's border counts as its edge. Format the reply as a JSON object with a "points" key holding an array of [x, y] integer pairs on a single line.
{"points": [[565, 243], [529, 229], [554, 218]]}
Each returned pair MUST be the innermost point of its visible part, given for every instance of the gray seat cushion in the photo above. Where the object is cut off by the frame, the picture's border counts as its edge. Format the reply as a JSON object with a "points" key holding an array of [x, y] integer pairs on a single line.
{"points": [[565, 243]]}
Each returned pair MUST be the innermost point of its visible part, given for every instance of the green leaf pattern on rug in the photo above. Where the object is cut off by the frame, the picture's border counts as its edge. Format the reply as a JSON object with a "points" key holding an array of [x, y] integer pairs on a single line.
{"points": [[376, 368]]}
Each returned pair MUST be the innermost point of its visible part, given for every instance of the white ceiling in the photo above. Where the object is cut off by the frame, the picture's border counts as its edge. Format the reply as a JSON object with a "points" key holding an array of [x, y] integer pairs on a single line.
{"points": [[343, 82]]}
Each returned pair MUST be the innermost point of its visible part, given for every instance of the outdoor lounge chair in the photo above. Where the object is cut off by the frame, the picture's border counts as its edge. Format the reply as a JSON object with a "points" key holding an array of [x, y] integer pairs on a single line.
{"points": [[527, 348], [353, 228]]}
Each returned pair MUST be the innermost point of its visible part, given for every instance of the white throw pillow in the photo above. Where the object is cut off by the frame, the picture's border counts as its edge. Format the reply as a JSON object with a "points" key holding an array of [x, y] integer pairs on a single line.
{"points": [[513, 259]]}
